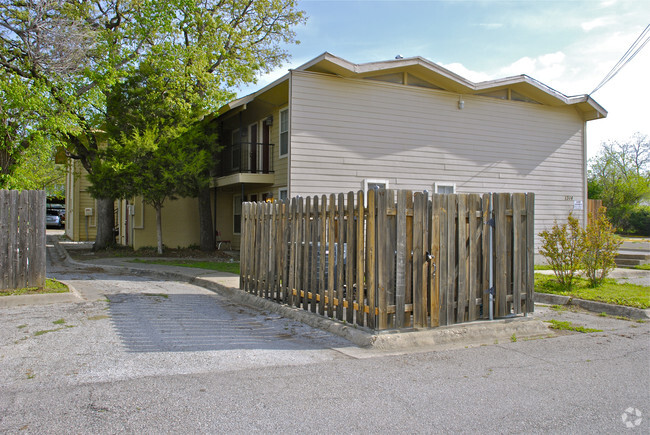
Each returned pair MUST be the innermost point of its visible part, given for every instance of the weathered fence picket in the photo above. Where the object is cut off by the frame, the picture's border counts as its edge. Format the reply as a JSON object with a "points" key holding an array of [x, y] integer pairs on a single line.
{"points": [[22, 239], [387, 259]]}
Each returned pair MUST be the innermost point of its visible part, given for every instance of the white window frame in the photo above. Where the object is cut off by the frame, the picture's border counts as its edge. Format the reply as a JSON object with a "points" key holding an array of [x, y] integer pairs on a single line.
{"points": [[367, 181], [286, 192], [437, 185], [285, 110]]}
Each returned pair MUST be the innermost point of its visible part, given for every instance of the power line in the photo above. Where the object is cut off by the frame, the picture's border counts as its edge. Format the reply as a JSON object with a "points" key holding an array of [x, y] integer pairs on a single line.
{"points": [[634, 49]]}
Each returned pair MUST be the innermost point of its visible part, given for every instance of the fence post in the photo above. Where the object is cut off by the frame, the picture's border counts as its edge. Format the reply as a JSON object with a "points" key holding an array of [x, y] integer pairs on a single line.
{"points": [[474, 264], [292, 251], [400, 276], [382, 259], [530, 252], [350, 254], [331, 249], [462, 266], [340, 259], [361, 267], [315, 228], [434, 250], [371, 261], [420, 266], [322, 285], [518, 249], [501, 246]]}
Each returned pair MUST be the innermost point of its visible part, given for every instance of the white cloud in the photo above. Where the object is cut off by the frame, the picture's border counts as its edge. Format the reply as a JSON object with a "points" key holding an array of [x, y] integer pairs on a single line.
{"points": [[491, 26], [588, 26], [545, 68], [465, 72]]}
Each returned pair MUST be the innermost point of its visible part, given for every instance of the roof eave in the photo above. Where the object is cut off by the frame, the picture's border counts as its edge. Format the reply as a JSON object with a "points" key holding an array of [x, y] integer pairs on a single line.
{"points": [[250, 97]]}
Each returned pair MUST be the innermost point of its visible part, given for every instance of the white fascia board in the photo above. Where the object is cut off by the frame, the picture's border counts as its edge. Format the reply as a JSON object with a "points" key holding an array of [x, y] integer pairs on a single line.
{"points": [[250, 97]]}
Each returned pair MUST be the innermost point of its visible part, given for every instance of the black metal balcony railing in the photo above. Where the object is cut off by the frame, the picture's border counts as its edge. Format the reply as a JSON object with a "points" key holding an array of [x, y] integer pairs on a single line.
{"points": [[246, 158]]}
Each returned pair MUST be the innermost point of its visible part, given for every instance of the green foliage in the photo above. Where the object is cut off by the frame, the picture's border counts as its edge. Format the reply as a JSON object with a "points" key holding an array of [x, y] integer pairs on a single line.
{"points": [[600, 248], [220, 266], [563, 247], [568, 326], [568, 248], [37, 171], [638, 221], [60, 60], [609, 291], [51, 286], [620, 176]]}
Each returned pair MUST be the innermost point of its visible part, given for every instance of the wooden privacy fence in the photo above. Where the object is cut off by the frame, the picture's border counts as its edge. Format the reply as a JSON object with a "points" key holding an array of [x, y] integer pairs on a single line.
{"points": [[22, 239], [382, 263]]}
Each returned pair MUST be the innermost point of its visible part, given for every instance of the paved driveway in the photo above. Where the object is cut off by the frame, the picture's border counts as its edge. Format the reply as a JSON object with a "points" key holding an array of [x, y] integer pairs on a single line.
{"points": [[143, 355]]}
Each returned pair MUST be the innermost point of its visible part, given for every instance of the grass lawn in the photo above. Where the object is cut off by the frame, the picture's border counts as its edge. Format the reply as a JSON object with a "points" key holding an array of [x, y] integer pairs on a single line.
{"points": [[51, 286], [220, 266], [642, 267], [610, 291]]}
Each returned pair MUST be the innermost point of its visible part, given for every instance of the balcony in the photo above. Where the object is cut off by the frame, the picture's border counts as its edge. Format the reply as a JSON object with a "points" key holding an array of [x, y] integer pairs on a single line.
{"points": [[246, 162]]}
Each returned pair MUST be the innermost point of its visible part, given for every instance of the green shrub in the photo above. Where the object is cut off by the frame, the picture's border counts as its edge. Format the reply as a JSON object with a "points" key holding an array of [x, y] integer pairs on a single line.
{"points": [[568, 248], [601, 247], [638, 221], [563, 248]]}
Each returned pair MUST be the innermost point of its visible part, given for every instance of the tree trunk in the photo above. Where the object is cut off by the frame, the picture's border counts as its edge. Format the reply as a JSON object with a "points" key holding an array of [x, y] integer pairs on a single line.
{"points": [[105, 224], [159, 228], [206, 232]]}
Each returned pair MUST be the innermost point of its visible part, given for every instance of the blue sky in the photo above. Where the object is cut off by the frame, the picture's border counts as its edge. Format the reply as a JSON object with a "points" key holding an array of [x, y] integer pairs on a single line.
{"points": [[569, 45]]}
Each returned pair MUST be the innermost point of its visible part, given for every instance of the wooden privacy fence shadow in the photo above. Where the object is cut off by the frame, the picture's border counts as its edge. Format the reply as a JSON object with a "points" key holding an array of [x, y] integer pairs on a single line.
{"points": [[22, 239], [382, 263]]}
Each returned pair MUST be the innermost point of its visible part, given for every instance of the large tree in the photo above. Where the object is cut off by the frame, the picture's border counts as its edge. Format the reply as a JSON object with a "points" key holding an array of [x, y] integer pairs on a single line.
{"points": [[77, 50], [620, 176], [155, 149], [71, 52]]}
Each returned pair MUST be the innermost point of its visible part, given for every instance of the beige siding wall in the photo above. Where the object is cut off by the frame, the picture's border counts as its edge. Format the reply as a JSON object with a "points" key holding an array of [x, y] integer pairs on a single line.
{"points": [[345, 130], [180, 226], [280, 164], [79, 227]]}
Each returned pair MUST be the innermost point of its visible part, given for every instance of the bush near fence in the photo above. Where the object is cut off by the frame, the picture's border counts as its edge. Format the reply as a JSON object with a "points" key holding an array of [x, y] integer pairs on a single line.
{"points": [[393, 259], [22, 239]]}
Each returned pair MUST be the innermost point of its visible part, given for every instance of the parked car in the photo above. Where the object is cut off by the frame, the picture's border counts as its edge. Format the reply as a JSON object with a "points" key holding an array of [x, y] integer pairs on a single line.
{"points": [[59, 209], [53, 219]]}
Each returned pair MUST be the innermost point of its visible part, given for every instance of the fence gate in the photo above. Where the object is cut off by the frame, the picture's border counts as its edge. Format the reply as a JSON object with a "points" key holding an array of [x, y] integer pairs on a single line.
{"points": [[394, 259], [22, 239]]}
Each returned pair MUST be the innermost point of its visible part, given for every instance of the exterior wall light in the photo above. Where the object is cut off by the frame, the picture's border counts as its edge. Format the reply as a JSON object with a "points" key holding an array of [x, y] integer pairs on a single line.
{"points": [[461, 103]]}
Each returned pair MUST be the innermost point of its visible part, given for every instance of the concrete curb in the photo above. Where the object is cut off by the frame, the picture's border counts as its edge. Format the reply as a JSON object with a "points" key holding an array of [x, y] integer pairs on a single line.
{"points": [[474, 333], [40, 299], [593, 306]]}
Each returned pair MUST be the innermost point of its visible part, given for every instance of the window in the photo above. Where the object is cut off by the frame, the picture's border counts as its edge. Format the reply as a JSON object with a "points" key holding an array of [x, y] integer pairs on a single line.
{"points": [[369, 184], [236, 214], [283, 194], [284, 132], [444, 188]]}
